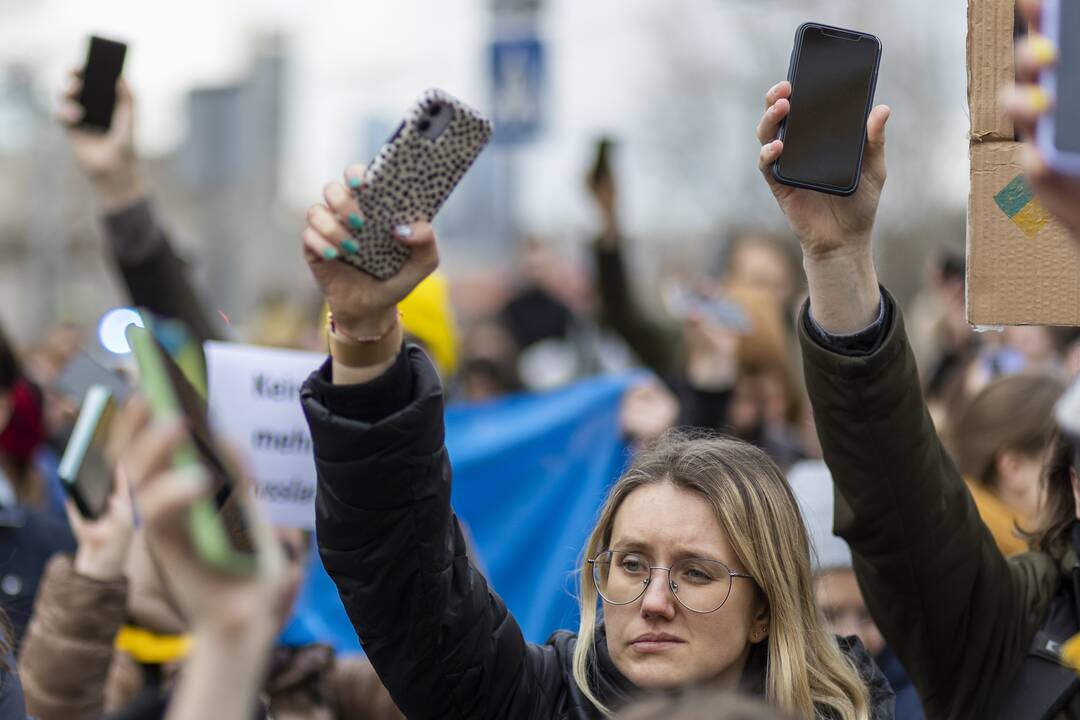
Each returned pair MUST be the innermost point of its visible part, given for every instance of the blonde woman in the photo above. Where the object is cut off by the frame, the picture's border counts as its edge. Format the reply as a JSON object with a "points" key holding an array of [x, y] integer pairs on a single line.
{"points": [[699, 562]]}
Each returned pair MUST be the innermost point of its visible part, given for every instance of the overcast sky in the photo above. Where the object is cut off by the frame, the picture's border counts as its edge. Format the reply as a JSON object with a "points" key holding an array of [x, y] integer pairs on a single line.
{"points": [[611, 70]]}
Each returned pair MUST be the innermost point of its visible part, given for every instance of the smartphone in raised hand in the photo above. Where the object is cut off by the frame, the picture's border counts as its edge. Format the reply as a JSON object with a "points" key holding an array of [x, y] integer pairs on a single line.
{"points": [[84, 471], [413, 175], [1058, 133], [104, 62], [219, 528], [833, 75]]}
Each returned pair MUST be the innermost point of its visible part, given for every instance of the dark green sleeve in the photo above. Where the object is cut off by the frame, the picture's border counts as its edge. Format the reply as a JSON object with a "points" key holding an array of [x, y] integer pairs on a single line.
{"points": [[155, 276], [956, 613], [657, 344]]}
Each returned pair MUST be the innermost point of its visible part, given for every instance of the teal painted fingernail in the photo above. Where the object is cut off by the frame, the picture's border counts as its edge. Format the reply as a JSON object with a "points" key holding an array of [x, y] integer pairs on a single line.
{"points": [[356, 221], [330, 253], [351, 246], [354, 182]]}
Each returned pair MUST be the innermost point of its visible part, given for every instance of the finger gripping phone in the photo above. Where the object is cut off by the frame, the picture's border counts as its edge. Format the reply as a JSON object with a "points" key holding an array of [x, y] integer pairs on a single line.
{"points": [[833, 75], [1058, 132], [83, 471], [104, 62], [413, 174], [217, 525]]}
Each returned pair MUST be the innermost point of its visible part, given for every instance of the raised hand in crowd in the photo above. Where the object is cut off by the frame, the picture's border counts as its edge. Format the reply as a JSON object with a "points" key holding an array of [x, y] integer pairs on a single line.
{"points": [[234, 618], [648, 410], [1026, 103], [364, 309], [107, 158], [712, 354], [835, 232]]}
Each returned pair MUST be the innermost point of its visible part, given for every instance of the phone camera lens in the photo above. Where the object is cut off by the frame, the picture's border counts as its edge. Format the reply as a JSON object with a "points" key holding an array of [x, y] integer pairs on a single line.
{"points": [[424, 125], [435, 109]]}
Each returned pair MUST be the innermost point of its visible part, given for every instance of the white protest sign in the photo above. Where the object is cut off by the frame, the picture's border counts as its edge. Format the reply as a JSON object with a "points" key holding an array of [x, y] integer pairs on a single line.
{"points": [[254, 405]]}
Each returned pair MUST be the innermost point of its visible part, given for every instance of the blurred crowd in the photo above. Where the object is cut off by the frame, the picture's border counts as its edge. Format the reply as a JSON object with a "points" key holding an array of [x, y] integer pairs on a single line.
{"points": [[102, 615]]}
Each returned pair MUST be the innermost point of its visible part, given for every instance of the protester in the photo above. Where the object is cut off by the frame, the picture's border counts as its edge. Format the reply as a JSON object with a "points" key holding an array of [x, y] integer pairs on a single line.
{"points": [[154, 275], [728, 379], [1000, 443], [71, 661], [234, 624], [443, 642], [29, 531], [960, 617]]}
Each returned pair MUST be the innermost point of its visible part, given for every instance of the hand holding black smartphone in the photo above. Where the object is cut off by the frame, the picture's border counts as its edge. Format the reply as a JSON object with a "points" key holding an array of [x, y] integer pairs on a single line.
{"points": [[104, 62], [833, 76]]}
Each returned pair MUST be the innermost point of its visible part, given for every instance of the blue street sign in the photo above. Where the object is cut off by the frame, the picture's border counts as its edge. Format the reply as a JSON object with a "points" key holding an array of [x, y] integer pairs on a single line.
{"points": [[517, 82]]}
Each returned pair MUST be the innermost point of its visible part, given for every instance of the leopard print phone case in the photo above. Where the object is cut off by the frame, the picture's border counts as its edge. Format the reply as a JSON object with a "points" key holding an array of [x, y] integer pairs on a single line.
{"points": [[412, 176]]}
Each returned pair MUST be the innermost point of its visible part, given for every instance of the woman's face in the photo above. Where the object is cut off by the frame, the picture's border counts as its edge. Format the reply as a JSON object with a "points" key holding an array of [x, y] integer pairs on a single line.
{"points": [[655, 641]]}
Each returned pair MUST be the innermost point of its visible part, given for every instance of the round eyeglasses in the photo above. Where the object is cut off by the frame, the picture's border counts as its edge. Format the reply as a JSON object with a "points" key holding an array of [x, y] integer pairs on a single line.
{"points": [[700, 585]]}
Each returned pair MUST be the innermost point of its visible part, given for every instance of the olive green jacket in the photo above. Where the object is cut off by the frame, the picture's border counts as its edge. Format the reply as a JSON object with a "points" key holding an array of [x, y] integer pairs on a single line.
{"points": [[958, 615]]}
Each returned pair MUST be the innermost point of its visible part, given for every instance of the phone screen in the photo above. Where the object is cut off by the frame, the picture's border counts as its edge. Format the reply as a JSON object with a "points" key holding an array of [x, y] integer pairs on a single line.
{"points": [[832, 85], [1067, 112], [103, 65]]}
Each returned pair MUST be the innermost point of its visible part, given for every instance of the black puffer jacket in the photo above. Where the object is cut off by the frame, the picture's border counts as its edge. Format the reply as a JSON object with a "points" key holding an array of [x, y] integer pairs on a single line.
{"points": [[440, 639]]}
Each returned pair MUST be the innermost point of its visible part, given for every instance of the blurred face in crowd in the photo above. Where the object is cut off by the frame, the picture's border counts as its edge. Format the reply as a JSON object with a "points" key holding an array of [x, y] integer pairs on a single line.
{"points": [[1018, 481], [841, 603], [759, 265], [1035, 342], [655, 641]]}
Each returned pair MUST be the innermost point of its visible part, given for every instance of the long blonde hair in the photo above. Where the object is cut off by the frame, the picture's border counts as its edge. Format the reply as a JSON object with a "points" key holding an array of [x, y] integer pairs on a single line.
{"points": [[806, 670]]}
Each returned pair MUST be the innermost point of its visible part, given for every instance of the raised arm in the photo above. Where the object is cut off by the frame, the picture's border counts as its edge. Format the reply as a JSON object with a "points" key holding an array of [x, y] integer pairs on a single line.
{"points": [[934, 581], [655, 342], [156, 278], [441, 641]]}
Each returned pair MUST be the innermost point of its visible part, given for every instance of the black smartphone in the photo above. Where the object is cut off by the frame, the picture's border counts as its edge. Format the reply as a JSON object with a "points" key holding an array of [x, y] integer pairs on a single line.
{"points": [[98, 97], [601, 169], [83, 470], [833, 75]]}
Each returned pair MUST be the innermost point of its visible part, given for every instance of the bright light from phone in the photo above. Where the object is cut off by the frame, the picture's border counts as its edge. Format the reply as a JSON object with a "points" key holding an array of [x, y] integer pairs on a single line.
{"points": [[112, 329]]}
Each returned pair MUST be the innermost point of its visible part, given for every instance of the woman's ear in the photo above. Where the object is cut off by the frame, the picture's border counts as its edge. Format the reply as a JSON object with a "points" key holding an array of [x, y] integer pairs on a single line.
{"points": [[759, 626]]}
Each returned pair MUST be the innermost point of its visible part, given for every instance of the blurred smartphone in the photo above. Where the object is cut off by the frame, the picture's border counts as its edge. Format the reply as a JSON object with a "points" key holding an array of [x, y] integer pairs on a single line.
{"points": [[681, 303], [1067, 413], [84, 372], [1058, 133], [601, 169], [104, 62], [218, 527], [413, 174], [833, 76], [83, 471]]}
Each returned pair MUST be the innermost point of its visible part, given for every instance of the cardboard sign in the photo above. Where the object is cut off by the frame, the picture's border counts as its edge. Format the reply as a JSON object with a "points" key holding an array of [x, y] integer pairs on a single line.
{"points": [[254, 404], [1023, 268]]}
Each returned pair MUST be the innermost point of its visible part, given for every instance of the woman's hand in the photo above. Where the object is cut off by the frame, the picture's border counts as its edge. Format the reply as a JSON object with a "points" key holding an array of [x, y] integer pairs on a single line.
{"points": [[648, 410], [362, 306], [104, 542], [241, 606], [1026, 103], [835, 232], [108, 158], [825, 224]]}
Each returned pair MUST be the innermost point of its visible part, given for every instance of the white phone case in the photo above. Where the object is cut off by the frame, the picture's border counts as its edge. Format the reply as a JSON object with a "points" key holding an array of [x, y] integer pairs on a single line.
{"points": [[412, 176]]}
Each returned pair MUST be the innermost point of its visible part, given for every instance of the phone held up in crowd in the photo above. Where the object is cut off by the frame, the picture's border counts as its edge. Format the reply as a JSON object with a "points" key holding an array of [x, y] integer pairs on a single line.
{"points": [[833, 75]]}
